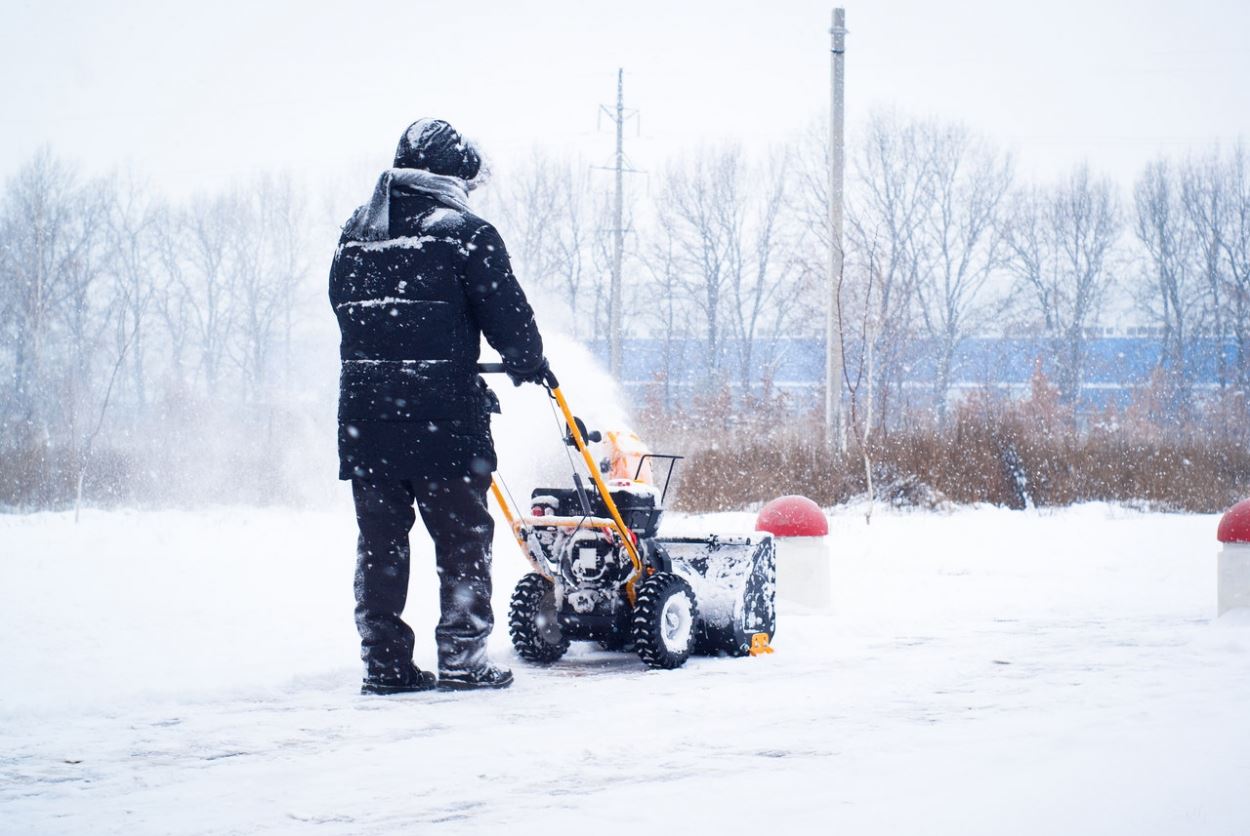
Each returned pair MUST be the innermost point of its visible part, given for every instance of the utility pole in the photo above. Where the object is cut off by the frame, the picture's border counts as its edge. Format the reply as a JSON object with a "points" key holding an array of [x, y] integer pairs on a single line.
{"points": [[835, 418], [615, 314]]}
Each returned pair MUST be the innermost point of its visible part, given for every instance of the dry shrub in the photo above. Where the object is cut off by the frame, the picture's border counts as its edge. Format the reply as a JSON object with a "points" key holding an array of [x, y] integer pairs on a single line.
{"points": [[1011, 454], [189, 454], [996, 463], [46, 478], [732, 476]]}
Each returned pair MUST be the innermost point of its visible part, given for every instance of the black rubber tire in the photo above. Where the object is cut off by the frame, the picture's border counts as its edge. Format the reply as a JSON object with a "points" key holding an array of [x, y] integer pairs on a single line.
{"points": [[533, 601], [649, 628]]}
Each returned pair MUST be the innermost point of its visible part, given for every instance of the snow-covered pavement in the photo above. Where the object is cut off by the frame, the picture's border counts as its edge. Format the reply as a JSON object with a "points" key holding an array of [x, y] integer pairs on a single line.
{"points": [[982, 671]]}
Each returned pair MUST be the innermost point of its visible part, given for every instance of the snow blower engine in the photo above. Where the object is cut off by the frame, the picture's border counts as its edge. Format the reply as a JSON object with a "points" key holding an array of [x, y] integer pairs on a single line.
{"points": [[602, 573]]}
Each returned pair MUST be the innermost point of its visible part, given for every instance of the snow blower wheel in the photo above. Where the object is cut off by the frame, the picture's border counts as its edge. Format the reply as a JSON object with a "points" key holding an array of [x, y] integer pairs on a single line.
{"points": [[533, 621], [664, 621]]}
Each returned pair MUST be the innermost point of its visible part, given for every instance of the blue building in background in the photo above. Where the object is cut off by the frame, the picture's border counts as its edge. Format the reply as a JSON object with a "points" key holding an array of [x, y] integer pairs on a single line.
{"points": [[1115, 367]]}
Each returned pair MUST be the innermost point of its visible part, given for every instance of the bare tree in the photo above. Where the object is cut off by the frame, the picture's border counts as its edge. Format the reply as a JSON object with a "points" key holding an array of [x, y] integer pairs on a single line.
{"points": [[1060, 239], [58, 296], [860, 310], [170, 296], [85, 444], [265, 264], [1173, 297], [569, 243], [665, 314], [283, 207], [49, 267], [760, 273], [602, 253], [727, 243], [961, 242], [1215, 194], [1208, 200], [39, 246], [252, 300], [84, 304], [131, 226], [890, 202], [700, 204], [554, 222], [1236, 249], [207, 291], [527, 205]]}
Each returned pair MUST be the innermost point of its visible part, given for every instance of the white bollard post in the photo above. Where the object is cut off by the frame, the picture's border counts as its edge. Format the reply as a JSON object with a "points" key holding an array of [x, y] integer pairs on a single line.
{"points": [[1234, 561], [801, 534], [803, 570], [1234, 577]]}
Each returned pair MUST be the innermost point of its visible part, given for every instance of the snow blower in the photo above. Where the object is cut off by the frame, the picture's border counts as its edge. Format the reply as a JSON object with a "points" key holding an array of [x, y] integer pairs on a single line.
{"points": [[601, 572]]}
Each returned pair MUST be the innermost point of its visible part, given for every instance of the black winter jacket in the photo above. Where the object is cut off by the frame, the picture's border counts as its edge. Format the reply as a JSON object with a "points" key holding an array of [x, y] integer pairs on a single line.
{"points": [[412, 310]]}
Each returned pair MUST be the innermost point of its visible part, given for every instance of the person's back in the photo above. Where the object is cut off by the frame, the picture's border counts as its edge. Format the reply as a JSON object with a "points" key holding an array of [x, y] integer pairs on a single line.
{"points": [[416, 280], [408, 310]]}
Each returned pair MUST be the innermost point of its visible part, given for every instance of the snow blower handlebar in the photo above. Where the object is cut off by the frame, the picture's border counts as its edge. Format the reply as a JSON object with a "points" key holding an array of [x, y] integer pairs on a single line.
{"points": [[549, 379], [578, 437]]}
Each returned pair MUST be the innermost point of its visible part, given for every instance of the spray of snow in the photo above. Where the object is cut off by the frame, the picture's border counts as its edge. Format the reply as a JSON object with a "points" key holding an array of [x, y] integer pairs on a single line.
{"points": [[528, 435]]}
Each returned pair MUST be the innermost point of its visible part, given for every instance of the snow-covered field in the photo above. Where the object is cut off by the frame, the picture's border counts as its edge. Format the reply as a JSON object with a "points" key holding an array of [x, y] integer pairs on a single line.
{"points": [[981, 671]]}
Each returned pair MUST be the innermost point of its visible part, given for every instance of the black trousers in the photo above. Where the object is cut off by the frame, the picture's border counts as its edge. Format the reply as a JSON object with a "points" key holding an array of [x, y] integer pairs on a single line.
{"points": [[455, 514]]}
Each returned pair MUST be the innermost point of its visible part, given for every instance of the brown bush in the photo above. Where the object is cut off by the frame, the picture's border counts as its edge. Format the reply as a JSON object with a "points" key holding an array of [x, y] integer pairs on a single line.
{"points": [[991, 451], [996, 464]]}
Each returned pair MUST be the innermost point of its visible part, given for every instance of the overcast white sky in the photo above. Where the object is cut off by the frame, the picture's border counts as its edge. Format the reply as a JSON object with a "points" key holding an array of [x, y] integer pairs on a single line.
{"points": [[196, 92]]}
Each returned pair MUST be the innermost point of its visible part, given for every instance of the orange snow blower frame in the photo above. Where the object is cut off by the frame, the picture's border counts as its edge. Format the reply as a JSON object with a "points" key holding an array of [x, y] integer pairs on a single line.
{"points": [[602, 572], [575, 428]]}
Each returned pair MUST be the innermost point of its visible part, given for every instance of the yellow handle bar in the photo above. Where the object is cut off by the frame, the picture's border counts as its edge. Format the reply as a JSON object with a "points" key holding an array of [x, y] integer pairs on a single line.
{"points": [[627, 536]]}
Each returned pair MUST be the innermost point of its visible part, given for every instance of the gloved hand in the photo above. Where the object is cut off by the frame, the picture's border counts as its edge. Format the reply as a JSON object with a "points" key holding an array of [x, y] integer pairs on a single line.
{"points": [[537, 374]]}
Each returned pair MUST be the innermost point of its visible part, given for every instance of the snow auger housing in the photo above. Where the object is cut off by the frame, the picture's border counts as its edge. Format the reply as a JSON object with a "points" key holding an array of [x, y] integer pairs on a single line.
{"points": [[601, 572]]}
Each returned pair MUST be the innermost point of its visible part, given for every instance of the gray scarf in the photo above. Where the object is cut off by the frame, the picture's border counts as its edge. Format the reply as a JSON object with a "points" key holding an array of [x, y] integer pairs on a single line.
{"points": [[372, 222]]}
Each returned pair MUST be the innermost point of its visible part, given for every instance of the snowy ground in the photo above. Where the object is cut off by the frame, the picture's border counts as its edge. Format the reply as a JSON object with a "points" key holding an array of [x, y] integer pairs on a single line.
{"points": [[981, 671]]}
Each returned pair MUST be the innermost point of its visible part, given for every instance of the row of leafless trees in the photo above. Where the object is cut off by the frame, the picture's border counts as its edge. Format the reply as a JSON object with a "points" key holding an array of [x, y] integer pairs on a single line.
{"points": [[727, 259], [115, 302], [125, 312], [944, 244], [1193, 222], [718, 264]]}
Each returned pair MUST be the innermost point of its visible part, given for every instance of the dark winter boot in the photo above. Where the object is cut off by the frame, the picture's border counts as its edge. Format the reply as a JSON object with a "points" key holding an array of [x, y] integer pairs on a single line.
{"points": [[487, 676], [414, 680]]}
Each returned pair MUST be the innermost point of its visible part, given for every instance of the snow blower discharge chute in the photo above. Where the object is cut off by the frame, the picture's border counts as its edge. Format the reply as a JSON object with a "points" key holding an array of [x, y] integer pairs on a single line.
{"points": [[601, 572]]}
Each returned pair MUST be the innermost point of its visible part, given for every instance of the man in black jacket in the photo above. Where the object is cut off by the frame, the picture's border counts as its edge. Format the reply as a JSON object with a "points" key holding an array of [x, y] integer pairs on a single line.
{"points": [[417, 280]]}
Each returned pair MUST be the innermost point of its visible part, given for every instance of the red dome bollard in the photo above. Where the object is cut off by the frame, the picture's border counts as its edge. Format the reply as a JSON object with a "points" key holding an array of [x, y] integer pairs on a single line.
{"points": [[1234, 565], [803, 549], [792, 516]]}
